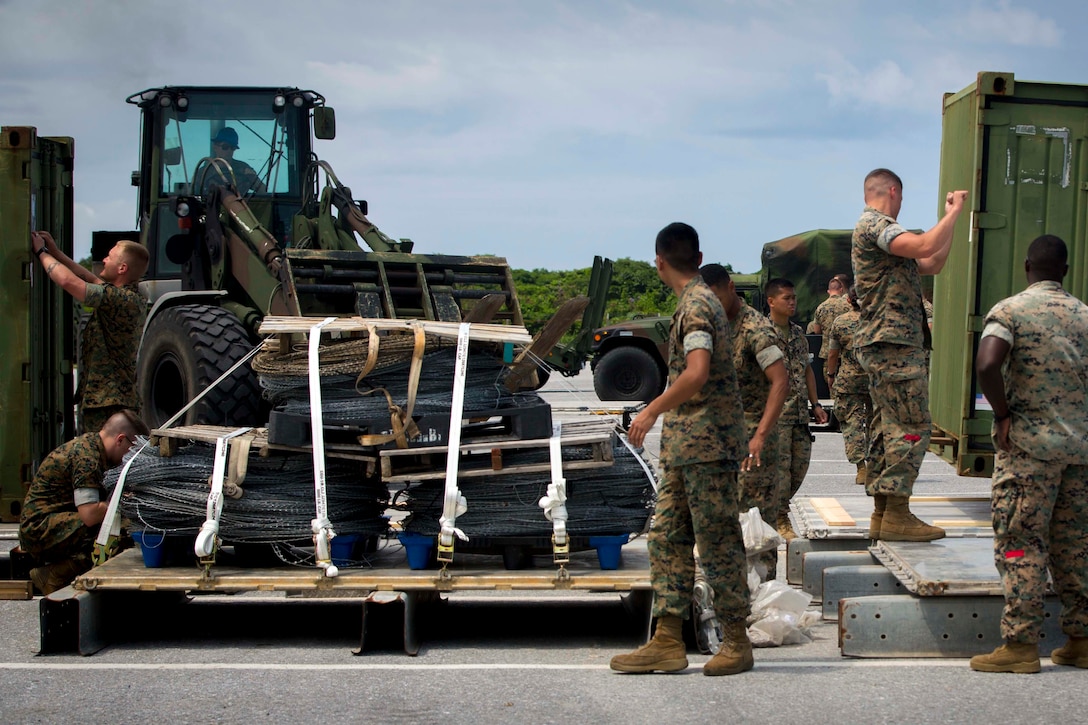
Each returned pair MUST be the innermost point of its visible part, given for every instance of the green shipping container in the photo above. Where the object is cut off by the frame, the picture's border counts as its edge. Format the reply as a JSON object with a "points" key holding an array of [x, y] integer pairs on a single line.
{"points": [[1019, 148], [37, 324]]}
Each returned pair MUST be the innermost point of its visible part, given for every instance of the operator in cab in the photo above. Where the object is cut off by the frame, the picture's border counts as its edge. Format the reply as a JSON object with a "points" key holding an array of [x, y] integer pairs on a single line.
{"points": [[230, 171]]}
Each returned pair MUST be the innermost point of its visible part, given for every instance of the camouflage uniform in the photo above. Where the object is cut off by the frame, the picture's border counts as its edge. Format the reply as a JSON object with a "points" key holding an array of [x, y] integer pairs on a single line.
{"points": [[853, 406], [107, 381], [891, 343], [1040, 487], [50, 528], [795, 439], [755, 347], [702, 441], [825, 315]]}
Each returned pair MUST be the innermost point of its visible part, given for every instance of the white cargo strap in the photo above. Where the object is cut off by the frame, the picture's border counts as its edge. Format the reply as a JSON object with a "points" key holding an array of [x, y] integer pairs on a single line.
{"points": [[454, 504], [554, 502], [111, 524], [206, 539], [322, 527]]}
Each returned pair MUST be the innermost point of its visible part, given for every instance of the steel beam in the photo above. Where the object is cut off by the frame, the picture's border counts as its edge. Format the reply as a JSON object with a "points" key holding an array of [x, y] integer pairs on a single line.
{"points": [[910, 626], [814, 563], [796, 549], [844, 582]]}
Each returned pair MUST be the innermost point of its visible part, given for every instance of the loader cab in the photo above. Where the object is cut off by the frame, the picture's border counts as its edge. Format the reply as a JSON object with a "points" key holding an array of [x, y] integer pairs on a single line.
{"points": [[194, 138]]}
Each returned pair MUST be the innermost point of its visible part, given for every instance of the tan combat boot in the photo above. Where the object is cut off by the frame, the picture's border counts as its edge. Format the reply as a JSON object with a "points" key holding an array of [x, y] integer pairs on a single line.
{"points": [[51, 577], [665, 652], [784, 527], [1015, 657], [862, 475], [1075, 653], [880, 502], [735, 655], [899, 524]]}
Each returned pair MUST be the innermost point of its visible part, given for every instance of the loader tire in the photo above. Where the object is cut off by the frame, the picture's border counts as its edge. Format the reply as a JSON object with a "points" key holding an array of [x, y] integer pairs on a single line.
{"points": [[627, 373], [184, 350]]}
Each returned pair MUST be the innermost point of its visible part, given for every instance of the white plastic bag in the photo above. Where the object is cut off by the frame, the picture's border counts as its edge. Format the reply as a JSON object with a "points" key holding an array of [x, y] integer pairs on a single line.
{"points": [[759, 536]]}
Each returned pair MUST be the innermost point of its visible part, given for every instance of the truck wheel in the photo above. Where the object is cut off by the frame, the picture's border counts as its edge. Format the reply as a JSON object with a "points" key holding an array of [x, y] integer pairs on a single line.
{"points": [[184, 350], [627, 373]]}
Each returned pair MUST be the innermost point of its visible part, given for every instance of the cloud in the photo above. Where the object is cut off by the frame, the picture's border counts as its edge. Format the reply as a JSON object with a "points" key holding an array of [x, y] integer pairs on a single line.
{"points": [[1007, 24]]}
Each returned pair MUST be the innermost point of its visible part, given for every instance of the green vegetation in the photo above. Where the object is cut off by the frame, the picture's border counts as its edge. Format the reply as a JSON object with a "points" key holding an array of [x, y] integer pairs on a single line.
{"points": [[636, 291]]}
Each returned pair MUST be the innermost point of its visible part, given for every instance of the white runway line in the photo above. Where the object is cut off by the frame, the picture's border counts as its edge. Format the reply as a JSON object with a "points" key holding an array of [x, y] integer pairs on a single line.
{"points": [[764, 665]]}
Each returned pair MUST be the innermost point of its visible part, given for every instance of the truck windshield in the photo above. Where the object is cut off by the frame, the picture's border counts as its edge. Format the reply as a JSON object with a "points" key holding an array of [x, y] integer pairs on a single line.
{"points": [[236, 140]]}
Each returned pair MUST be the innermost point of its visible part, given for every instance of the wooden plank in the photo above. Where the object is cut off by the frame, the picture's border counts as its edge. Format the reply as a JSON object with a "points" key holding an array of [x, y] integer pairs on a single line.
{"points": [[16, 590], [484, 445], [485, 332], [832, 512], [478, 472]]}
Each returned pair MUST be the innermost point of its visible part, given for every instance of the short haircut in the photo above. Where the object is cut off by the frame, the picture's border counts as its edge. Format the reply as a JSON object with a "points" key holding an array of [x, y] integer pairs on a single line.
{"points": [[715, 275], [135, 255], [125, 421], [1048, 255], [878, 181], [678, 245], [843, 280], [777, 286]]}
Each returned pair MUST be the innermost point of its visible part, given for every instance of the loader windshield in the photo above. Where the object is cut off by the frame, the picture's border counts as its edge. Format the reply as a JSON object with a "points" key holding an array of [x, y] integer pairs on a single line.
{"points": [[235, 139]]}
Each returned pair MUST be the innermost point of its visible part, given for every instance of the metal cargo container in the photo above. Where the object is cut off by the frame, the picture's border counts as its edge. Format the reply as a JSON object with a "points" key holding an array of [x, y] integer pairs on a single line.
{"points": [[1019, 148], [37, 324]]}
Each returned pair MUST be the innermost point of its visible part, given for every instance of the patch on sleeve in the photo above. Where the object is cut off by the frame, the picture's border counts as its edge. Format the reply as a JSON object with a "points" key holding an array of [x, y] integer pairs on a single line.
{"points": [[698, 340]]}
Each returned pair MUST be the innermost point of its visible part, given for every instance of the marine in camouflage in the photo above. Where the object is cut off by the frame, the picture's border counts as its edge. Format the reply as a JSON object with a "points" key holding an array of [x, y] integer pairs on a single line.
{"points": [[755, 346], [702, 441], [853, 406], [825, 317], [891, 340], [710, 425], [795, 439], [1040, 487], [697, 506], [899, 435], [50, 528], [111, 340]]}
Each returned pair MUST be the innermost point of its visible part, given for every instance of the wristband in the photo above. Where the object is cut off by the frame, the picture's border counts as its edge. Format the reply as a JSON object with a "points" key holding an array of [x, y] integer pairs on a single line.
{"points": [[41, 251], [999, 418]]}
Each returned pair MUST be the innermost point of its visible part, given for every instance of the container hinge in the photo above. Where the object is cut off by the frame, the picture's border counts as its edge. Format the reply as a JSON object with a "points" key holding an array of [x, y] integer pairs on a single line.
{"points": [[975, 323], [990, 220], [994, 117]]}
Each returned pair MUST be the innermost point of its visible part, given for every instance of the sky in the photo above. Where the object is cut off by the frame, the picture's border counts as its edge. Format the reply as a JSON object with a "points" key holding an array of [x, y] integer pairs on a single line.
{"points": [[549, 132]]}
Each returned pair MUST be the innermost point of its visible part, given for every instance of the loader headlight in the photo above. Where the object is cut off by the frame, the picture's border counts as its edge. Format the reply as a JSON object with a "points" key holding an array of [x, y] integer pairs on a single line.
{"points": [[278, 103], [182, 209]]}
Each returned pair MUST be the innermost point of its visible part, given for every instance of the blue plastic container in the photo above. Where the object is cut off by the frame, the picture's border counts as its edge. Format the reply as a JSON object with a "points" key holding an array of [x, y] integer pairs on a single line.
{"points": [[608, 549], [418, 548], [342, 549], [152, 546]]}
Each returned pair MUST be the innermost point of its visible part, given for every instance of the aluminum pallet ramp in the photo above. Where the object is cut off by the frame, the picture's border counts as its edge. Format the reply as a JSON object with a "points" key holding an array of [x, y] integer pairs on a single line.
{"points": [[847, 516], [946, 567]]}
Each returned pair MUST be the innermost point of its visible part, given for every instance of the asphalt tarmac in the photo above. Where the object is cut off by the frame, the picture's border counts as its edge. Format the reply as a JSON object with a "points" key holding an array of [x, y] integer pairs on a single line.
{"points": [[503, 657]]}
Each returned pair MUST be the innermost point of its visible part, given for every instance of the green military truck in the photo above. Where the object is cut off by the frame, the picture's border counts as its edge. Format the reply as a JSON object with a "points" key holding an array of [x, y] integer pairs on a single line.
{"points": [[629, 358]]}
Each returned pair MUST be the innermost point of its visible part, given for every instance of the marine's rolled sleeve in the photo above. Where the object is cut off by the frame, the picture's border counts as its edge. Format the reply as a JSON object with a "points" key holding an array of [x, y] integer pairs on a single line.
{"points": [[768, 356], [997, 329], [887, 236], [698, 340]]}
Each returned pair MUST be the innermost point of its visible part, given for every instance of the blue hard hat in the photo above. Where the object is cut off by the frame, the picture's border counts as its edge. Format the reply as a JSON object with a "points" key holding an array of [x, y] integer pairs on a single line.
{"points": [[228, 136]]}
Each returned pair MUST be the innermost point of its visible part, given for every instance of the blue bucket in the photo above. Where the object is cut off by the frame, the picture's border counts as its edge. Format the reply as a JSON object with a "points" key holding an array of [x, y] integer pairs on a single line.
{"points": [[152, 546], [608, 549], [418, 548], [342, 549]]}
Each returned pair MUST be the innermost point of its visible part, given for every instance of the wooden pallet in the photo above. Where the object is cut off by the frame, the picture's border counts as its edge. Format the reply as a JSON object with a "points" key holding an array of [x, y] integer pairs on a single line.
{"points": [[485, 458]]}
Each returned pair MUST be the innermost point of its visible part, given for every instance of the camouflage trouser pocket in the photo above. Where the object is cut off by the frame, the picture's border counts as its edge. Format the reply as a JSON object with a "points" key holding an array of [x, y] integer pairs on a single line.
{"points": [[906, 398]]}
